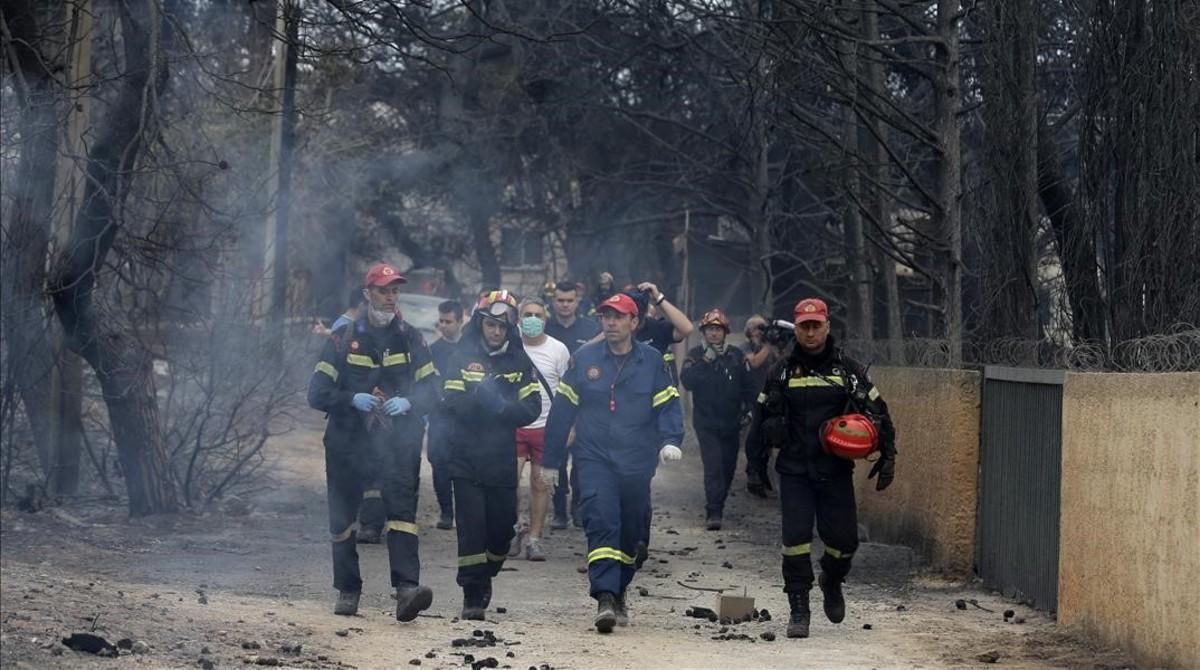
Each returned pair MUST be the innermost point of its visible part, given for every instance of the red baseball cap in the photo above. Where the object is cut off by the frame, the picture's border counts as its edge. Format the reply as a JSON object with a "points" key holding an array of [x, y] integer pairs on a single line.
{"points": [[620, 303], [810, 309], [382, 274]]}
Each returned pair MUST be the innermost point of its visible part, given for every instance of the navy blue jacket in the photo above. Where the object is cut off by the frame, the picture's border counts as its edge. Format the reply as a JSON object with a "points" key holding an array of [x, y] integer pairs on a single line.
{"points": [[722, 390], [482, 436], [439, 420], [359, 358], [644, 413], [579, 334], [801, 393]]}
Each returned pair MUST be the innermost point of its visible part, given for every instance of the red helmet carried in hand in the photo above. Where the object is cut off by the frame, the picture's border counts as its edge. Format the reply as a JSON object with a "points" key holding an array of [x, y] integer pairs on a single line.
{"points": [[850, 436]]}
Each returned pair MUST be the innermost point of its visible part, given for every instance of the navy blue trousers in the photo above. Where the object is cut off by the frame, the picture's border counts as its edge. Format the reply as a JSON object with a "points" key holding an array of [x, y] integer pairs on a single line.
{"points": [[615, 510]]}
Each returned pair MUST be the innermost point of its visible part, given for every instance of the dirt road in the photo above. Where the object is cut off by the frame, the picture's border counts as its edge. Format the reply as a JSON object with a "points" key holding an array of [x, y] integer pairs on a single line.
{"points": [[251, 586]]}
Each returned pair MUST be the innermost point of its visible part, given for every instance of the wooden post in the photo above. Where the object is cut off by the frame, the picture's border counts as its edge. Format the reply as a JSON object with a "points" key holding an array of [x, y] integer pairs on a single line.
{"points": [[686, 297]]}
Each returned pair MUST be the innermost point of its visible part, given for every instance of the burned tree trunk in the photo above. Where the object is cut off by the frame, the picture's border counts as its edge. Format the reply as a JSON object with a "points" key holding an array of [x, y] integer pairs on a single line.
{"points": [[1009, 228], [876, 168], [948, 207], [121, 367], [859, 319], [1075, 242], [29, 358]]}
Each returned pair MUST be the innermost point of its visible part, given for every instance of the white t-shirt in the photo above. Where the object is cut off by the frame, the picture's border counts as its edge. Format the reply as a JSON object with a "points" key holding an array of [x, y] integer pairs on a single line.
{"points": [[551, 358]]}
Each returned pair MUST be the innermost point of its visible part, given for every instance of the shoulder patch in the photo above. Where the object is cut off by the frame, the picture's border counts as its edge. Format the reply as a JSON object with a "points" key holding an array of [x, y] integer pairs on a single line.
{"points": [[353, 345], [475, 366]]}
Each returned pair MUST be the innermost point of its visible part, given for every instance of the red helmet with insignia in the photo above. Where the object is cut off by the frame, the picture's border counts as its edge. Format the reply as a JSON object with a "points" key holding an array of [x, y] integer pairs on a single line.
{"points": [[850, 436], [714, 317], [499, 305]]}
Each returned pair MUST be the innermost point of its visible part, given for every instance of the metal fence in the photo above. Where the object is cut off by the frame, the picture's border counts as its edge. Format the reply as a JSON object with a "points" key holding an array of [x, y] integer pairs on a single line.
{"points": [[1020, 471]]}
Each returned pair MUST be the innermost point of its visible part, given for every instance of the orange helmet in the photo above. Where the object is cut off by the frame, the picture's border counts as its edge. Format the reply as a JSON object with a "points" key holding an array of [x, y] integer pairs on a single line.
{"points": [[714, 317], [850, 436]]}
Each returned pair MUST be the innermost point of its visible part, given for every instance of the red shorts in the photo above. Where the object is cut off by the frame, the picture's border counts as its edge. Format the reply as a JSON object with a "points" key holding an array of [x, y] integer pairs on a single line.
{"points": [[530, 442]]}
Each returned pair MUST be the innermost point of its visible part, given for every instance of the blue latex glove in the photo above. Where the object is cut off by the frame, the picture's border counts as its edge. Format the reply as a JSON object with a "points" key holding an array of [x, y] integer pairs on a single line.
{"points": [[396, 406], [365, 402], [490, 398]]}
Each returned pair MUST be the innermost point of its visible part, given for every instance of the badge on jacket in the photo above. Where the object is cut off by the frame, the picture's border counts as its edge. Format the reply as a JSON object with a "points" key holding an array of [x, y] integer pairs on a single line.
{"points": [[593, 372]]}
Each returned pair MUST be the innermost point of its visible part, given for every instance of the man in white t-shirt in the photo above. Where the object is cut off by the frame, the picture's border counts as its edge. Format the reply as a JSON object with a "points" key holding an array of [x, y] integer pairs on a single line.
{"points": [[551, 359]]}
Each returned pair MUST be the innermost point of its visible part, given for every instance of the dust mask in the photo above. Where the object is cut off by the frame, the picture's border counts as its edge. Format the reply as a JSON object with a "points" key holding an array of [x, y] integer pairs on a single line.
{"points": [[379, 317], [532, 326]]}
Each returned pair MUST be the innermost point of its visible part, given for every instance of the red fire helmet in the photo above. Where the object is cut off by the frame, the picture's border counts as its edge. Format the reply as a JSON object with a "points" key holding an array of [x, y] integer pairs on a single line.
{"points": [[850, 436]]}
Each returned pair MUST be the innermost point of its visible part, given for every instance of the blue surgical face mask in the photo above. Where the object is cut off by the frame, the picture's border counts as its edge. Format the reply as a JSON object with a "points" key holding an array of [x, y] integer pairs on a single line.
{"points": [[532, 326]]}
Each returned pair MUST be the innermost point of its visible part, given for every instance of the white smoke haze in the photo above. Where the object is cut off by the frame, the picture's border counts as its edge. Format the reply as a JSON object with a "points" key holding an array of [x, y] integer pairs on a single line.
{"points": [[514, 143]]}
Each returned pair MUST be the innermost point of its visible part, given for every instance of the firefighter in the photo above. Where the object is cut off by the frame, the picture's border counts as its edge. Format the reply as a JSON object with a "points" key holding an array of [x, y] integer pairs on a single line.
{"points": [[371, 516], [814, 384], [375, 379], [574, 330], [449, 327], [490, 391], [723, 392], [619, 396]]}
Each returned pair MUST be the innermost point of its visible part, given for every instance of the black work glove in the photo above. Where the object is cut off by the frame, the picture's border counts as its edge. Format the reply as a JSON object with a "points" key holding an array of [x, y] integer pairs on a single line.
{"points": [[885, 467], [775, 432]]}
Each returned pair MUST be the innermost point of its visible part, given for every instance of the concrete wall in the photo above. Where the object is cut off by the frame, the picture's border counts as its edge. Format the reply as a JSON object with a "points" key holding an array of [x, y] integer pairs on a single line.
{"points": [[1129, 568], [931, 506]]}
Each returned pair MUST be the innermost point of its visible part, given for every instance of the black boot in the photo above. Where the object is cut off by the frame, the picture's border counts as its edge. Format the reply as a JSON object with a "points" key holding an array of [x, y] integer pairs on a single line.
{"points": [[606, 612], [445, 521], [411, 601], [619, 606], [835, 603], [474, 606], [798, 623], [369, 535], [754, 484], [347, 603]]}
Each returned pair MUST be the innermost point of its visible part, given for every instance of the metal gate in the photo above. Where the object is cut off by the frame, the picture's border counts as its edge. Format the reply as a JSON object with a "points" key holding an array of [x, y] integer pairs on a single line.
{"points": [[1020, 471]]}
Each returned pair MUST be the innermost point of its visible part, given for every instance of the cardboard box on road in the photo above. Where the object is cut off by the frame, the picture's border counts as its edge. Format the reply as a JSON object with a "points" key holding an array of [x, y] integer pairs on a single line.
{"points": [[734, 607]]}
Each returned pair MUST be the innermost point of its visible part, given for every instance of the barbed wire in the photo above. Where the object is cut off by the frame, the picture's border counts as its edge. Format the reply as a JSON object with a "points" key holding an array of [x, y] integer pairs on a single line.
{"points": [[1174, 351]]}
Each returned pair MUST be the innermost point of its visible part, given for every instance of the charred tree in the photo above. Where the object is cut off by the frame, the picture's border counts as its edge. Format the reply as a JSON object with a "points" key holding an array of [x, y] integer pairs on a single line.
{"points": [[122, 367], [948, 206], [1009, 225], [29, 358], [1074, 239]]}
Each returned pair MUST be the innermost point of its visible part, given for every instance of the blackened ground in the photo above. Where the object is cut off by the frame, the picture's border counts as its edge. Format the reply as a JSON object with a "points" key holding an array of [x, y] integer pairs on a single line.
{"points": [[250, 584]]}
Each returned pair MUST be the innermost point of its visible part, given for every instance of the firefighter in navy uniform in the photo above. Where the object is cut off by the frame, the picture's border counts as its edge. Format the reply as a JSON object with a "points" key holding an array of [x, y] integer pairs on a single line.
{"points": [[375, 379], [814, 384], [723, 391], [490, 390], [619, 396]]}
